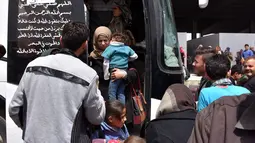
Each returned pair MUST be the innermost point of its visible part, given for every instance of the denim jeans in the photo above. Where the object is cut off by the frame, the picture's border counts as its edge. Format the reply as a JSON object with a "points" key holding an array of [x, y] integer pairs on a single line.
{"points": [[116, 90]]}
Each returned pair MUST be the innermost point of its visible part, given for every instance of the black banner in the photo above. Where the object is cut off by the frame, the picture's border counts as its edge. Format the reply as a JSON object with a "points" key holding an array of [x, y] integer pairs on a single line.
{"points": [[35, 26]]}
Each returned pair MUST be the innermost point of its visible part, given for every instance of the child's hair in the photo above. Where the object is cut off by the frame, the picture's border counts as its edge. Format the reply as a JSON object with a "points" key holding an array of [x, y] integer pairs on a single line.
{"points": [[119, 37], [113, 108], [134, 139]]}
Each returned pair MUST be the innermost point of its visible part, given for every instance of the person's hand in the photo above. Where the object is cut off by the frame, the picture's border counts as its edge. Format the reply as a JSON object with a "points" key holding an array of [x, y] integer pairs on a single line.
{"points": [[118, 74], [242, 61]]}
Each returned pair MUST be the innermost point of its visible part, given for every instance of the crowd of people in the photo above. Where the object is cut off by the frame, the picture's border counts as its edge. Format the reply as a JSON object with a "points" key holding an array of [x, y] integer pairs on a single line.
{"points": [[70, 100], [62, 99], [75, 96]]}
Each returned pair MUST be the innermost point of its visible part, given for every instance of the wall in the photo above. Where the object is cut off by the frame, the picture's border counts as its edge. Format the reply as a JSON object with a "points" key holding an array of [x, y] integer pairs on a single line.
{"points": [[235, 41]]}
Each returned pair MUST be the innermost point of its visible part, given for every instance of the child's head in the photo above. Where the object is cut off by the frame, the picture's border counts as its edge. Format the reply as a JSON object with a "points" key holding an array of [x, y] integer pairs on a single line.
{"points": [[118, 37], [134, 139], [115, 113]]}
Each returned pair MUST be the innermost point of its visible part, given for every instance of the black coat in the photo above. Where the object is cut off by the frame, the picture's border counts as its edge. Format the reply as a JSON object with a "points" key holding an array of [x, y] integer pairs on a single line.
{"points": [[97, 65], [250, 84], [171, 128]]}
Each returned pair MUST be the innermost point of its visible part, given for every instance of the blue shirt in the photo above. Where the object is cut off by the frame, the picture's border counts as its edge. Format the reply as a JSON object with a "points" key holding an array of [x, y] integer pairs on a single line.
{"points": [[118, 55], [210, 94], [247, 53], [111, 133]]}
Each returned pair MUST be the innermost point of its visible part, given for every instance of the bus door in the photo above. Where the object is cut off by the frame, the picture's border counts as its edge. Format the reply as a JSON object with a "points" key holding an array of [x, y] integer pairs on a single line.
{"points": [[163, 65]]}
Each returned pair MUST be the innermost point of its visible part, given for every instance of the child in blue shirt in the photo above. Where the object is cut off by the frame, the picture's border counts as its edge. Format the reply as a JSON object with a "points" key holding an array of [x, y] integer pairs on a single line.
{"points": [[113, 128], [117, 55]]}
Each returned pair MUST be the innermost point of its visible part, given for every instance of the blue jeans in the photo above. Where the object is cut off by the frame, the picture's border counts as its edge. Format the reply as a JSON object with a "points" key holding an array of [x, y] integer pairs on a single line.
{"points": [[116, 90]]}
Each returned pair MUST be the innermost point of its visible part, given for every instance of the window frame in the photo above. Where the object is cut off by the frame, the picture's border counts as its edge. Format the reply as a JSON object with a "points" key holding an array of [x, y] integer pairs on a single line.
{"points": [[160, 54]]}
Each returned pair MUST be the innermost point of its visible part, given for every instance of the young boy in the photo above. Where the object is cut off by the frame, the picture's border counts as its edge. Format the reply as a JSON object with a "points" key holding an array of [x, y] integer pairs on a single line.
{"points": [[117, 55], [113, 128], [236, 74]]}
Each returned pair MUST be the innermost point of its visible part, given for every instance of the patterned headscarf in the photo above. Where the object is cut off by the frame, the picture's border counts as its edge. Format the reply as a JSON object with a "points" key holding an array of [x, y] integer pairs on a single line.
{"points": [[177, 97], [126, 12]]}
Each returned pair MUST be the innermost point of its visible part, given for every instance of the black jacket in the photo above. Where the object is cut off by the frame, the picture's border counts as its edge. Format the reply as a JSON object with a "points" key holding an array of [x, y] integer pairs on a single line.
{"points": [[203, 84], [233, 81], [174, 127], [250, 84]]}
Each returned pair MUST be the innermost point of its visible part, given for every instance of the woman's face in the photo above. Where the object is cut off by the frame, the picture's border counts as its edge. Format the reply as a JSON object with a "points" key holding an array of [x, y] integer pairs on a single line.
{"points": [[116, 11], [102, 42]]}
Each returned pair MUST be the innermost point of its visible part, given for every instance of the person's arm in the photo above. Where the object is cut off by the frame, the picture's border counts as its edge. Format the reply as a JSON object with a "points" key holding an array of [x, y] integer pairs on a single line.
{"points": [[16, 104], [132, 55], [199, 133], [107, 54], [106, 65], [118, 74], [94, 104], [251, 53], [129, 75]]}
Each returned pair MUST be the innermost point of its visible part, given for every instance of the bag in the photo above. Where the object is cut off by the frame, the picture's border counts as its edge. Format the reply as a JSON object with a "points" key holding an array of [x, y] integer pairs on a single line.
{"points": [[138, 101]]}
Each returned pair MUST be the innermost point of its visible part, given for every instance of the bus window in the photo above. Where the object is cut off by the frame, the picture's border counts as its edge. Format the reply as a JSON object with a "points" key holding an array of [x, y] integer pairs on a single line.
{"points": [[170, 38]]}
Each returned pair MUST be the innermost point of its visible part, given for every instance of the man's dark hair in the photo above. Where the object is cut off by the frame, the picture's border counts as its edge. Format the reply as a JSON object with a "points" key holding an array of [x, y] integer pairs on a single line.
{"points": [[113, 108], [246, 45], [119, 37], [206, 52], [236, 69], [74, 34], [217, 66]]}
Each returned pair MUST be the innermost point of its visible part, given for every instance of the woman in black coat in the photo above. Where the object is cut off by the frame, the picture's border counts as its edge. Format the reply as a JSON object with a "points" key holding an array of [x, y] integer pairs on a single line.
{"points": [[175, 117]]}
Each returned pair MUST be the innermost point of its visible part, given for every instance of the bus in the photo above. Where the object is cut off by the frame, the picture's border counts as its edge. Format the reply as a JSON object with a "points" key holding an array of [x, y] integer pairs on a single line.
{"points": [[34, 26]]}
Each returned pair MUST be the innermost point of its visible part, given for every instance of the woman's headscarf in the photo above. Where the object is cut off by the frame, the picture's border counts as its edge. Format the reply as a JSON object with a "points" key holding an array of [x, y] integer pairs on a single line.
{"points": [[177, 97], [100, 31], [126, 12]]}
